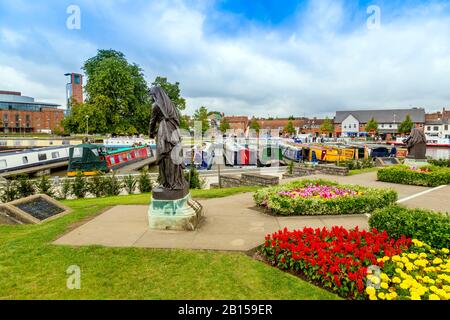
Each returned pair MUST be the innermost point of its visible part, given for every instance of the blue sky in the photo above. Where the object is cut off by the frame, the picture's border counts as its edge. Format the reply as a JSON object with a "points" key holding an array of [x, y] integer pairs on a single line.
{"points": [[245, 57]]}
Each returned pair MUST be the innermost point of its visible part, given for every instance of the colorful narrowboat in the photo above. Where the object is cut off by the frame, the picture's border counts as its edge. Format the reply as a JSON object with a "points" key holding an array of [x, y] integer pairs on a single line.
{"points": [[270, 154], [92, 159]]}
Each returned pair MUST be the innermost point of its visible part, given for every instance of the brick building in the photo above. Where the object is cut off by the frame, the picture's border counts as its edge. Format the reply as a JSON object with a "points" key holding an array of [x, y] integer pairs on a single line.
{"points": [[74, 89], [238, 123], [22, 114]]}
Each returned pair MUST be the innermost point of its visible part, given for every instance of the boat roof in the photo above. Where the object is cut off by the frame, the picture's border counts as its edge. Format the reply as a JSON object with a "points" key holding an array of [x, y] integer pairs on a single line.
{"points": [[25, 151]]}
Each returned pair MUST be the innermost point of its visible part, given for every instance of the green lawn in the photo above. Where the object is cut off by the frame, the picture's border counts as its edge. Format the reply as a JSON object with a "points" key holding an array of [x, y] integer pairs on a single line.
{"points": [[32, 268], [365, 170]]}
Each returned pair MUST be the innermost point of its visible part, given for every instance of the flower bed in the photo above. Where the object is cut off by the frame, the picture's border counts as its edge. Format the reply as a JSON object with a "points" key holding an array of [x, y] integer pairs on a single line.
{"points": [[321, 197], [429, 226], [419, 273], [336, 259], [429, 176]]}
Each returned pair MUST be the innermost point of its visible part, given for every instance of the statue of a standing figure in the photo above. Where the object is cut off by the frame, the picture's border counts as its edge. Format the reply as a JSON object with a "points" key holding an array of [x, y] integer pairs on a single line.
{"points": [[168, 144], [416, 144]]}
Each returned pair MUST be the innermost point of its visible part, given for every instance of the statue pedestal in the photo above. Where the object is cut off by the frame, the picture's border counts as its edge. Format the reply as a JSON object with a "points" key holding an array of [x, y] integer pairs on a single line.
{"points": [[416, 163], [174, 210]]}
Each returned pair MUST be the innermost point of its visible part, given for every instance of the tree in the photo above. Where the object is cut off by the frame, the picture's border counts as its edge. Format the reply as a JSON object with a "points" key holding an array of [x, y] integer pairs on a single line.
{"points": [[201, 114], [291, 118], [117, 99], [372, 126], [327, 126], [289, 128], [172, 90], [224, 125], [406, 126], [254, 125]]}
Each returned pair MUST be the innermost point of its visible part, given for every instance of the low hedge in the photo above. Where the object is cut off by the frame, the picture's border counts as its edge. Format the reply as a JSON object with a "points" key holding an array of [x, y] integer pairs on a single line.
{"points": [[425, 225], [366, 201], [433, 177]]}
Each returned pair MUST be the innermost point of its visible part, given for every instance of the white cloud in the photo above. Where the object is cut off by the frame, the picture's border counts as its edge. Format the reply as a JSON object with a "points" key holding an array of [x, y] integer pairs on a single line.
{"points": [[314, 68]]}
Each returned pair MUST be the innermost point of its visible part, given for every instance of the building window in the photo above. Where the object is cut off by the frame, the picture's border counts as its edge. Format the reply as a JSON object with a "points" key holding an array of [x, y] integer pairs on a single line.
{"points": [[5, 117], [435, 128], [55, 155], [446, 127], [27, 117], [354, 126], [25, 160], [390, 126], [428, 128], [42, 156], [17, 117]]}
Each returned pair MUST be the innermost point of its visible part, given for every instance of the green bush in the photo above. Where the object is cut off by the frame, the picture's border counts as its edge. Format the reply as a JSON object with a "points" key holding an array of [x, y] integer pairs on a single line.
{"points": [[65, 190], [96, 186], [357, 164], [436, 176], [144, 182], [129, 183], [440, 162], [9, 191], [113, 186], [44, 186], [79, 186], [425, 225], [368, 200], [194, 179], [25, 186]]}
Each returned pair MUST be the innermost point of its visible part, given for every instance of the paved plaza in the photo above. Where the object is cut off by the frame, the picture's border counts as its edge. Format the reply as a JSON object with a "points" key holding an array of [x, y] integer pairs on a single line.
{"points": [[233, 223]]}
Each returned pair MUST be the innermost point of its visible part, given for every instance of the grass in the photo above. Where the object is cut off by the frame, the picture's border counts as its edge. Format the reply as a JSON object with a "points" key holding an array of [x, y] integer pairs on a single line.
{"points": [[365, 170], [32, 268]]}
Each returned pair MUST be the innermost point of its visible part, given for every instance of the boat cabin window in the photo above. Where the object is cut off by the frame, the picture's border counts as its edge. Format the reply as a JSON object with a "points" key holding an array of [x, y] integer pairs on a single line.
{"points": [[3, 164], [77, 152], [55, 155], [42, 156], [129, 156], [112, 160], [95, 151], [120, 158], [25, 160]]}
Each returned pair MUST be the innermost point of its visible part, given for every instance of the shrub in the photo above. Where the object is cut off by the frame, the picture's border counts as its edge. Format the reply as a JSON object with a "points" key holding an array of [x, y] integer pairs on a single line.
{"points": [[113, 186], [337, 259], [357, 164], [429, 226], [44, 186], [66, 189], [96, 186], [9, 191], [429, 176], [194, 179], [130, 183], [290, 167], [440, 162], [79, 186], [419, 273], [25, 186], [145, 183], [322, 197]]}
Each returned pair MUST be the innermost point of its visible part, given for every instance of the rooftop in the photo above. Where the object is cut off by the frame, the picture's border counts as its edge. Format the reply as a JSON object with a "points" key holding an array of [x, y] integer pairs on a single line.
{"points": [[383, 116], [14, 97]]}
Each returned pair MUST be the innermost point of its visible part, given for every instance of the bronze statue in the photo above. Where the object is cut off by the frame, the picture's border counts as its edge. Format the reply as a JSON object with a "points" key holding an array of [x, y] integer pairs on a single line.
{"points": [[416, 144], [168, 143]]}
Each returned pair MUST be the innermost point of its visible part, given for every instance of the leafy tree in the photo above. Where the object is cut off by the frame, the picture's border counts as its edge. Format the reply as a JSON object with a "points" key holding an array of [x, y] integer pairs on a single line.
{"points": [[372, 126], [172, 90], [79, 186], [201, 115], [224, 125], [406, 126], [327, 126], [117, 99], [289, 128], [44, 186], [291, 118], [254, 125]]}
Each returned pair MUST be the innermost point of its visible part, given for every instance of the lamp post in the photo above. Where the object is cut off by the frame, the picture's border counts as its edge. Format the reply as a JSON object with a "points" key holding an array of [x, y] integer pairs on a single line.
{"points": [[87, 126]]}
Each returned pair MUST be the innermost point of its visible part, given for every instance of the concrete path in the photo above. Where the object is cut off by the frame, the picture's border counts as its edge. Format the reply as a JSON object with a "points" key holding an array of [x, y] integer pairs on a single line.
{"points": [[232, 223]]}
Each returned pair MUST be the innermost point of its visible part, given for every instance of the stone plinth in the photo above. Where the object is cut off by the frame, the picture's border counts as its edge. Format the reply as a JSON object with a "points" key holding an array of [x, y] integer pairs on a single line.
{"points": [[182, 214], [416, 163]]}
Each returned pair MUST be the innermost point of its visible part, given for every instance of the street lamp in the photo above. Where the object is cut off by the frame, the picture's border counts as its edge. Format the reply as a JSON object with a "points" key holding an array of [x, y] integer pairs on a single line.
{"points": [[87, 126]]}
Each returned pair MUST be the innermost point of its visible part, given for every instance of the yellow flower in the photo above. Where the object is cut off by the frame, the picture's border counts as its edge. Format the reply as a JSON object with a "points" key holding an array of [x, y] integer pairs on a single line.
{"points": [[404, 285], [422, 255], [437, 261], [386, 258], [434, 297], [384, 277], [393, 295], [417, 242], [370, 291], [405, 260], [445, 250], [382, 296], [412, 256], [399, 264], [415, 296], [373, 297], [396, 280], [396, 258], [384, 285]]}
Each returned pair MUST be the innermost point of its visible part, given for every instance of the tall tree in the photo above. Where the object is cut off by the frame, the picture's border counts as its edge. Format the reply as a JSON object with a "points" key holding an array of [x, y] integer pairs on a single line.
{"points": [[254, 125], [327, 126], [201, 114], [117, 99], [406, 126], [289, 128], [224, 125], [372, 126], [172, 90]]}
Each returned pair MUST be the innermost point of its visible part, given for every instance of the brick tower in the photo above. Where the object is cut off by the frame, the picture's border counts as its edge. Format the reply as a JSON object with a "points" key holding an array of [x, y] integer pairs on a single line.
{"points": [[74, 89]]}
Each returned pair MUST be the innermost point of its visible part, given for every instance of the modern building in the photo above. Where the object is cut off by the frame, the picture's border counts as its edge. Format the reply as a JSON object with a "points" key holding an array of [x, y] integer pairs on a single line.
{"points": [[74, 89], [23, 114], [352, 123]]}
